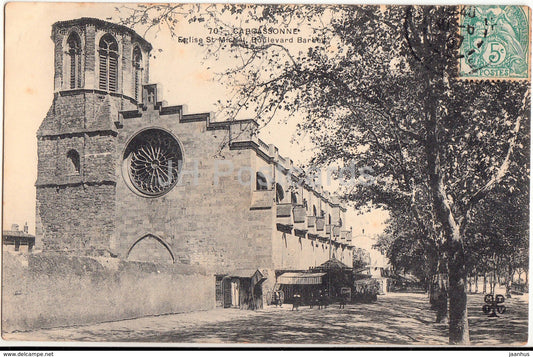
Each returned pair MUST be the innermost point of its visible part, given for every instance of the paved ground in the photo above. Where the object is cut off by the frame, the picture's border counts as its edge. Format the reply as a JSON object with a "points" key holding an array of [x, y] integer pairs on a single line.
{"points": [[394, 319]]}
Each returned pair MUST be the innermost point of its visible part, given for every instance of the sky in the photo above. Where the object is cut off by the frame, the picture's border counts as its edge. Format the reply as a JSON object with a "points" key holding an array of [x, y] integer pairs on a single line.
{"points": [[178, 68]]}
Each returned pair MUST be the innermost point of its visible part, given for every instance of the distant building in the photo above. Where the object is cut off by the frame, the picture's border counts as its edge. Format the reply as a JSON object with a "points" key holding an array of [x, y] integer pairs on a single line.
{"points": [[380, 274], [17, 240]]}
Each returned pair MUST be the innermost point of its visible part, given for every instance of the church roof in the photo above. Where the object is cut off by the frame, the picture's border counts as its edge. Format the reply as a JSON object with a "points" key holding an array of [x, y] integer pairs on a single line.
{"points": [[334, 263], [17, 234], [105, 25]]}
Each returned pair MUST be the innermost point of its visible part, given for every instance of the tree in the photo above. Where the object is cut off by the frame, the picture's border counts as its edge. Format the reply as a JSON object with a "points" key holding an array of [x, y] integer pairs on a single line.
{"points": [[408, 249], [382, 92], [361, 258]]}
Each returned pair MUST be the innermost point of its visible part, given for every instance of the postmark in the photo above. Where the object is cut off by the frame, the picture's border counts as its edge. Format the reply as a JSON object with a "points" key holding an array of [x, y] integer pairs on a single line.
{"points": [[495, 42]]}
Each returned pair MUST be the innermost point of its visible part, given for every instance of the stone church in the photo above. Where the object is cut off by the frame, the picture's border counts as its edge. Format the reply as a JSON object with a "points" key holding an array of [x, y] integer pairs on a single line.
{"points": [[122, 174]]}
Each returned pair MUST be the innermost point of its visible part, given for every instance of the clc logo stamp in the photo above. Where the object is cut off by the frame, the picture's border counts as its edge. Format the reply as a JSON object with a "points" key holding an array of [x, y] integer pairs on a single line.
{"points": [[494, 42]]}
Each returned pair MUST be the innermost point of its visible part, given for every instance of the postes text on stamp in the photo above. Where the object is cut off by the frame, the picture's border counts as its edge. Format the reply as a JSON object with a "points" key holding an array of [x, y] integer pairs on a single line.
{"points": [[495, 42]]}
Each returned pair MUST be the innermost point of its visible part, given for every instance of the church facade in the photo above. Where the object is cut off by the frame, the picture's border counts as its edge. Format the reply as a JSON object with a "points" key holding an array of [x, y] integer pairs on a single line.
{"points": [[122, 174]]}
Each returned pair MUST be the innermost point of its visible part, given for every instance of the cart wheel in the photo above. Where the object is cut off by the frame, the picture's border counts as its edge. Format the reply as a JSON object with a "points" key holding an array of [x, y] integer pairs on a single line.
{"points": [[489, 298]]}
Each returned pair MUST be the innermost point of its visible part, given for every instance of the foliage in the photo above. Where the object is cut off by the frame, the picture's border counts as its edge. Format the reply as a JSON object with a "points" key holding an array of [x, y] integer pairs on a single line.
{"points": [[382, 92], [361, 258]]}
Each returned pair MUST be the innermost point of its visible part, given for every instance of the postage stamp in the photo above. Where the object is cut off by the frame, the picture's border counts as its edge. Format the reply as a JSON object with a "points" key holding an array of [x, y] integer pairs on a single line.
{"points": [[495, 42]]}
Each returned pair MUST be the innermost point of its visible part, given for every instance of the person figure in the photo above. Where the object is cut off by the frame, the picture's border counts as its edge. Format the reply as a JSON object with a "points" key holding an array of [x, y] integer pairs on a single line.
{"points": [[276, 298], [296, 301], [311, 300], [342, 301]]}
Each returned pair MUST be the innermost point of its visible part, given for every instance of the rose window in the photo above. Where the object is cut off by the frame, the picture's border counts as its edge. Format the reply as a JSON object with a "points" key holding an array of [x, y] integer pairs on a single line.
{"points": [[152, 160]]}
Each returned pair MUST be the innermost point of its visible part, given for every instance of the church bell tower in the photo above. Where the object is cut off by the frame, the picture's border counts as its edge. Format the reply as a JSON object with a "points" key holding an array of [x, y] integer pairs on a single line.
{"points": [[99, 70]]}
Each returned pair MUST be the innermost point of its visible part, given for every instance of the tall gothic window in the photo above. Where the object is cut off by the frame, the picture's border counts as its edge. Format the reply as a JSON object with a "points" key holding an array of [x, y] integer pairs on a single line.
{"points": [[74, 53], [280, 195], [137, 72], [108, 53]]}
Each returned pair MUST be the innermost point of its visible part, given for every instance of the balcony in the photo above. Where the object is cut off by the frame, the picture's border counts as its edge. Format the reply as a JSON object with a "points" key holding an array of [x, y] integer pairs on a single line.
{"points": [[262, 199], [299, 214], [320, 223], [346, 237], [311, 221], [284, 214]]}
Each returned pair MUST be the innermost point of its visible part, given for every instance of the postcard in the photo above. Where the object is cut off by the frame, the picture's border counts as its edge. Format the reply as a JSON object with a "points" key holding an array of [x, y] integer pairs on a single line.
{"points": [[318, 175]]}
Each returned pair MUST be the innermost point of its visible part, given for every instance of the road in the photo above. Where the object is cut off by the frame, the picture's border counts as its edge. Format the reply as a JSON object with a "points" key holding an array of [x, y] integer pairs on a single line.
{"points": [[397, 318]]}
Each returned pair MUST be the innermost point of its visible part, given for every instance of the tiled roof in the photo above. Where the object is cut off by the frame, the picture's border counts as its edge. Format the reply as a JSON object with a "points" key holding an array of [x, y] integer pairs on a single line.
{"points": [[17, 234]]}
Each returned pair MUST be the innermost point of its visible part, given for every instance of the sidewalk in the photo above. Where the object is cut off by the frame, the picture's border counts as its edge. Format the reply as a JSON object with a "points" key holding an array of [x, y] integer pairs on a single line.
{"points": [[395, 319]]}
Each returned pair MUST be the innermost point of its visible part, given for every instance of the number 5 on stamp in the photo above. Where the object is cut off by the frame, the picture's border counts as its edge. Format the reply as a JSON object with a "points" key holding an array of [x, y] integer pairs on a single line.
{"points": [[495, 42]]}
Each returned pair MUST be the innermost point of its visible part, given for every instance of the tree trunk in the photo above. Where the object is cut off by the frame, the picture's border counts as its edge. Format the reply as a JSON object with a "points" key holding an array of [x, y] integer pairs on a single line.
{"points": [[476, 281], [459, 333], [494, 281], [442, 207], [484, 283]]}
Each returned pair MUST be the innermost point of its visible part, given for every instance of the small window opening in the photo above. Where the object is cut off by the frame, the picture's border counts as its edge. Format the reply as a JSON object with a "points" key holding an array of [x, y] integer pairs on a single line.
{"points": [[73, 161], [280, 194], [261, 183], [294, 198]]}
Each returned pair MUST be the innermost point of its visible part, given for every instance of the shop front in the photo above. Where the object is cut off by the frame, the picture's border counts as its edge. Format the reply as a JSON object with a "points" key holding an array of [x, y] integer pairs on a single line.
{"points": [[240, 289]]}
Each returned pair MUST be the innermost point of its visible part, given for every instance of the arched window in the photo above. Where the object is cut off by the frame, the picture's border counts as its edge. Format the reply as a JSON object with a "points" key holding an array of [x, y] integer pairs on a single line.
{"points": [[340, 222], [73, 162], [314, 210], [137, 72], [108, 54], [294, 198], [74, 53], [280, 194], [305, 203], [329, 219], [261, 183]]}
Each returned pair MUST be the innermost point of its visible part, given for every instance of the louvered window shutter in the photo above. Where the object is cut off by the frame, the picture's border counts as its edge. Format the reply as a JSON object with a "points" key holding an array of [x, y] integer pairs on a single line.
{"points": [[103, 70], [78, 70], [108, 79], [113, 73], [72, 69], [74, 52], [137, 80]]}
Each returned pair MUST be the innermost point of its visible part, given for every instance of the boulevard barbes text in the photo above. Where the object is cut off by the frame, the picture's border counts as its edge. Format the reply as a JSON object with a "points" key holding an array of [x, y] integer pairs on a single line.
{"points": [[254, 40], [259, 35]]}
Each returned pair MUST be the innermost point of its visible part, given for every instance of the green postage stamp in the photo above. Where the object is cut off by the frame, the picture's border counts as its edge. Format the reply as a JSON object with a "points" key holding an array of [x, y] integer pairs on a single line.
{"points": [[495, 42]]}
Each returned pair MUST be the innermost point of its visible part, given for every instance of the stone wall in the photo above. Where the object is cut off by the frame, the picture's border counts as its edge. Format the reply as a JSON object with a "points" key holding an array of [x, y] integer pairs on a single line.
{"points": [[203, 220], [46, 290], [76, 218], [293, 252]]}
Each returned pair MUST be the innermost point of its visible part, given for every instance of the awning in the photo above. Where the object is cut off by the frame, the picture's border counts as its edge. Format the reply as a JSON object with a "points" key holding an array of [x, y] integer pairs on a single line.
{"points": [[301, 278], [255, 275]]}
